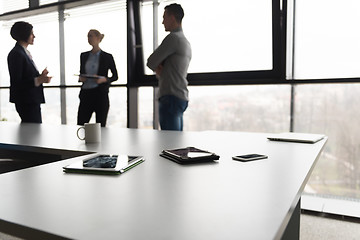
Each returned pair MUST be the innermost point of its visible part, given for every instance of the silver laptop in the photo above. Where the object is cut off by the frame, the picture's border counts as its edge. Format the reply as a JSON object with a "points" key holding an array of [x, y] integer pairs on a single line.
{"points": [[296, 137]]}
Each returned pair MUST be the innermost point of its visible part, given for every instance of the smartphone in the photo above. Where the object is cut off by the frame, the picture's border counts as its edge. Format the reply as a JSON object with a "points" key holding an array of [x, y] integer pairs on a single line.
{"points": [[249, 157]]}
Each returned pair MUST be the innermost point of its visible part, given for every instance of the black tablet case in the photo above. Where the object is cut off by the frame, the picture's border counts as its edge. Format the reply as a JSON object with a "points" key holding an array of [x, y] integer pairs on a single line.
{"points": [[188, 160]]}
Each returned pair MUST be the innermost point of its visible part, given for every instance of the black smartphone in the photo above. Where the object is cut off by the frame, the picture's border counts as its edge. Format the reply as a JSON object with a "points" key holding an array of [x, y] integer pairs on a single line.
{"points": [[249, 157]]}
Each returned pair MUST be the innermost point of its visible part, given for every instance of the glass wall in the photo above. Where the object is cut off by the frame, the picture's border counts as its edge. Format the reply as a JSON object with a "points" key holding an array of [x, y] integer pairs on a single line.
{"points": [[326, 45], [255, 108], [45, 52], [7, 110], [332, 109], [146, 102], [78, 22], [13, 5], [7, 44], [117, 116], [327, 39], [231, 35]]}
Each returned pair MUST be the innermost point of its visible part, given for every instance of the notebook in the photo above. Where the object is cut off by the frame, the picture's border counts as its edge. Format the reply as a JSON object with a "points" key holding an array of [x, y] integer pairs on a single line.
{"points": [[296, 137]]}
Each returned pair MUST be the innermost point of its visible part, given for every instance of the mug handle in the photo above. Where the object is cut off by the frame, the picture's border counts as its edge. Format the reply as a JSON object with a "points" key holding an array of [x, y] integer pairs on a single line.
{"points": [[77, 133]]}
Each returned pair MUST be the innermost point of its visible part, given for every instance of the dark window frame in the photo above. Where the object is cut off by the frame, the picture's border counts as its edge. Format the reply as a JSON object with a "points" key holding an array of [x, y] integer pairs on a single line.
{"points": [[274, 76]]}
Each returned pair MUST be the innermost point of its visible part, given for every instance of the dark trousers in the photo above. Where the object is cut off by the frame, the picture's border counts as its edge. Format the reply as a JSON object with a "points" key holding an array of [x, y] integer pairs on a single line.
{"points": [[171, 111], [29, 113], [93, 100]]}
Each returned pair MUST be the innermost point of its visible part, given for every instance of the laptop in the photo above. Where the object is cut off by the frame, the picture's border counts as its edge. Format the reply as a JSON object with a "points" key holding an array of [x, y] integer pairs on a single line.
{"points": [[296, 137]]}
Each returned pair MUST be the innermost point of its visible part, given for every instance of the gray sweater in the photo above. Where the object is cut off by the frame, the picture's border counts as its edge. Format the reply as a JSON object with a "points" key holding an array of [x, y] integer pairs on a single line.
{"points": [[174, 53]]}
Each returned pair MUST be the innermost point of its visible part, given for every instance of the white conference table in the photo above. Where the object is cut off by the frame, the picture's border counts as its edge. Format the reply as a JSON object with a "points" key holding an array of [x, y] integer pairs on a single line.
{"points": [[158, 199]]}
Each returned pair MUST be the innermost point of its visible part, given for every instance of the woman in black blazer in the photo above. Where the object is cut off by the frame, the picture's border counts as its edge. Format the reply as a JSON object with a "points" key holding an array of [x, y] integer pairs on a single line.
{"points": [[94, 68], [26, 89]]}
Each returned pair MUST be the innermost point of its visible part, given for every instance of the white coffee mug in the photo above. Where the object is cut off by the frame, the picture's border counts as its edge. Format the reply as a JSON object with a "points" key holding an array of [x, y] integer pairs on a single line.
{"points": [[92, 133]]}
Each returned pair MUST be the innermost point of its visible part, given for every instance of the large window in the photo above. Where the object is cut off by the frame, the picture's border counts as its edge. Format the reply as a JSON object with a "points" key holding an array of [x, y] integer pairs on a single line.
{"points": [[327, 39], [332, 109], [230, 36], [110, 19], [7, 110], [326, 46], [8, 6], [117, 112], [78, 22], [256, 108], [45, 52], [7, 44], [146, 100]]}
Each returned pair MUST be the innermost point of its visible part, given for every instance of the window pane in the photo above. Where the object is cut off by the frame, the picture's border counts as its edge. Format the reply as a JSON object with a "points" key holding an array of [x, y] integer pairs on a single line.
{"points": [[43, 2], [332, 110], [117, 115], [118, 107], [72, 104], [7, 43], [146, 96], [45, 50], [147, 31], [238, 108], [13, 5], [51, 109], [7, 109], [96, 16], [229, 35], [327, 39], [230, 108]]}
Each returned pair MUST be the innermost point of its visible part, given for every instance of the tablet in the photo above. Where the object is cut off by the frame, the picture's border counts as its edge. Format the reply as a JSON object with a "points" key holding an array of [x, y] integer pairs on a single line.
{"points": [[189, 155], [104, 164], [89, 76]]}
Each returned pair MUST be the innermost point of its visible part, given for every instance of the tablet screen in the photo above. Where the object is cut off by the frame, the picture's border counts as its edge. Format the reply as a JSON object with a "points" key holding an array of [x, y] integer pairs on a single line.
{"points": [[105, 163], [102, 161], [190, 152]]}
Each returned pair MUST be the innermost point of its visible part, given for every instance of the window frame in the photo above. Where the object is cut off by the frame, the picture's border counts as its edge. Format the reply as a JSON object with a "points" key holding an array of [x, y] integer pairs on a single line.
{"points": [[274, 76]]}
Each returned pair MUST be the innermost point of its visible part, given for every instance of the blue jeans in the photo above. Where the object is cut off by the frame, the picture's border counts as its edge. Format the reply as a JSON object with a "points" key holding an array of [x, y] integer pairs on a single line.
{"points": [[171, 111]]}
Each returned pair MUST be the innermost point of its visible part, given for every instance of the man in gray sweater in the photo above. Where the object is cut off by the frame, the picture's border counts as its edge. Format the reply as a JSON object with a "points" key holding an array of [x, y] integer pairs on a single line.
{"points": [[170, 61]]}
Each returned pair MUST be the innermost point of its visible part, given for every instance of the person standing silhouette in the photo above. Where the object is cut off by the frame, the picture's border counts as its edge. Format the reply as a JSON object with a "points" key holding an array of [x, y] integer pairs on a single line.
{"points": [[26, 89], [170, 62], [94, 93]]}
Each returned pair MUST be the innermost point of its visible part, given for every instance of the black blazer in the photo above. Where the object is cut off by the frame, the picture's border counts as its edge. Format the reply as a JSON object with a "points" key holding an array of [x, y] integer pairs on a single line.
{"points": [[22, 74], [106, 62]]}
